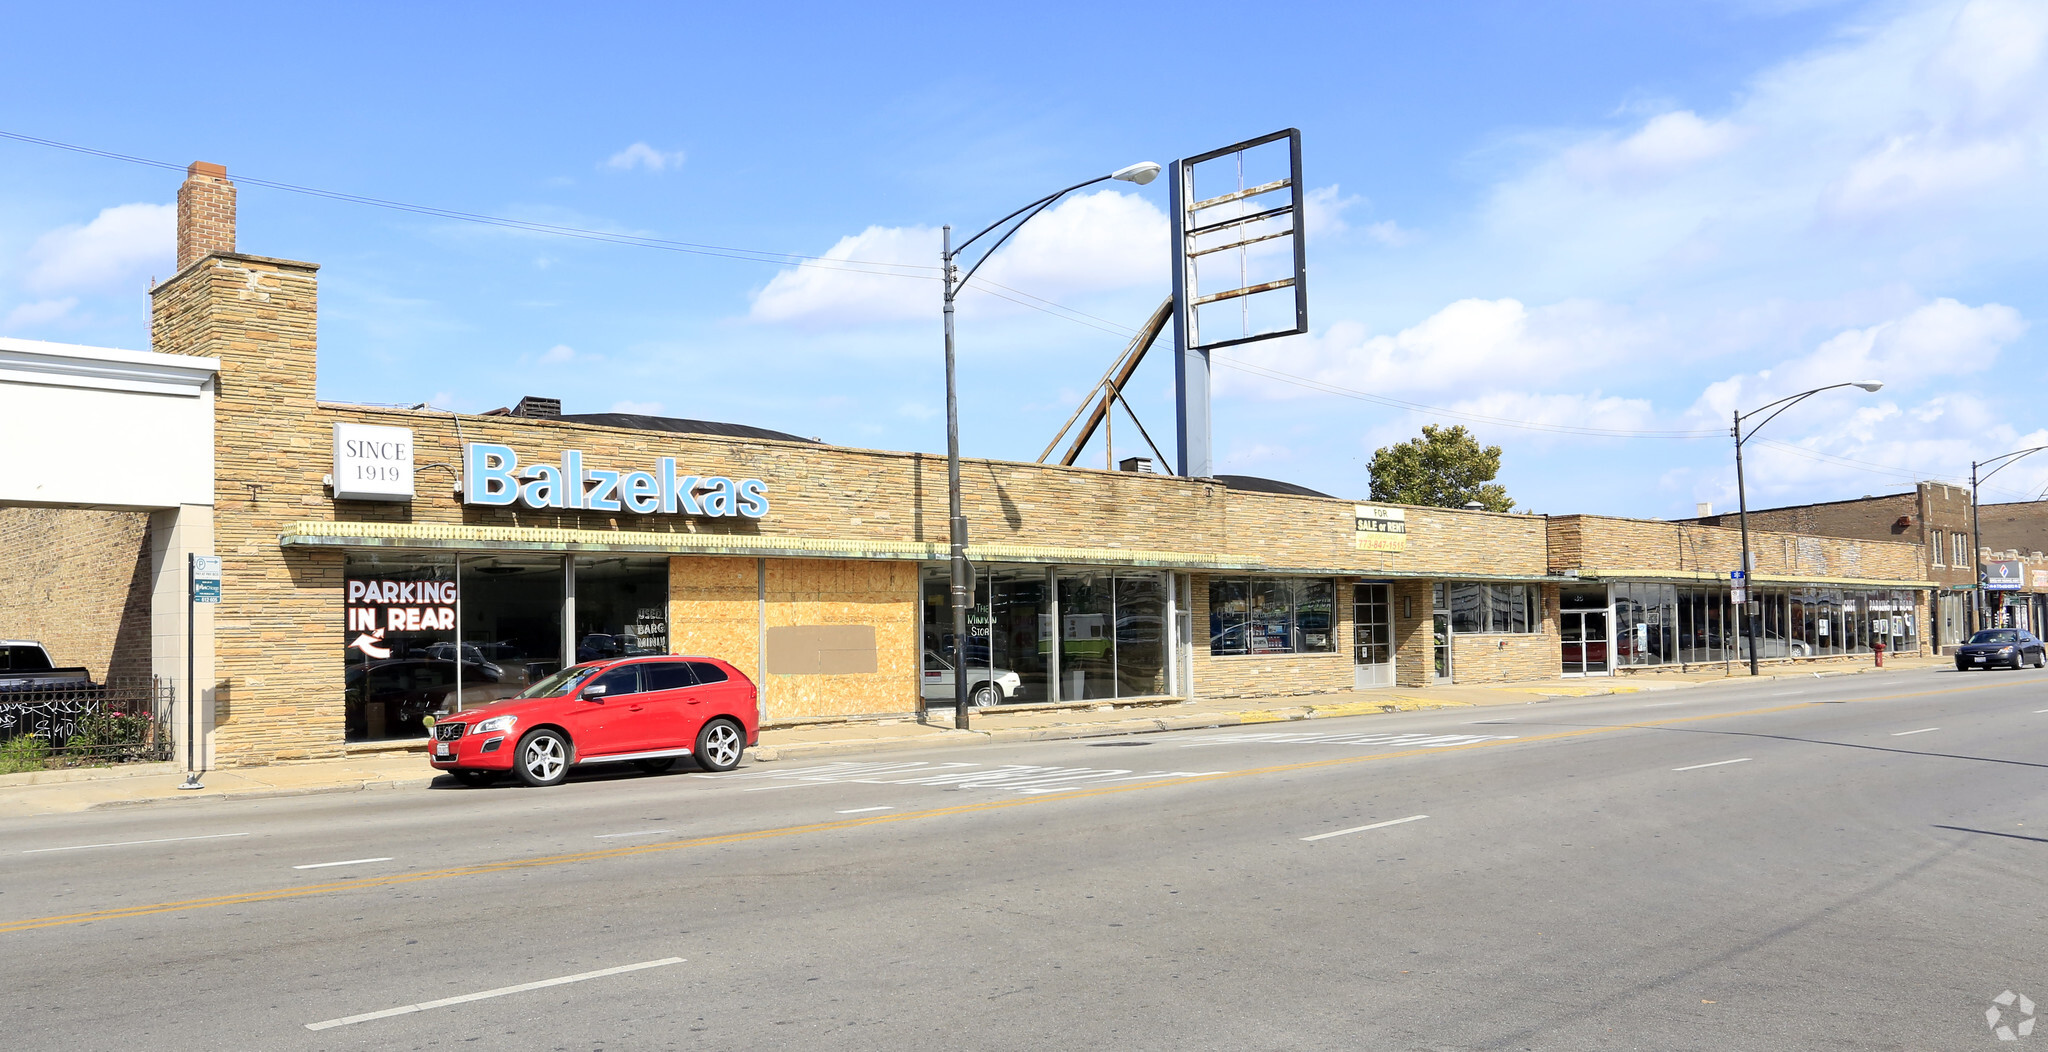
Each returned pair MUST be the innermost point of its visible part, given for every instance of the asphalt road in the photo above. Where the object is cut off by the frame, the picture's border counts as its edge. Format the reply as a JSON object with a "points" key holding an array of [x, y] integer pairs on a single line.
{"points": [[1811, 864]]}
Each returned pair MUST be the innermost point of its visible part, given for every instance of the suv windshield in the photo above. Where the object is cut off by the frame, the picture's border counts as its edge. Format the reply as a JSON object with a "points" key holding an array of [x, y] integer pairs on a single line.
{"points": [[2003, 635], [561, 682]]}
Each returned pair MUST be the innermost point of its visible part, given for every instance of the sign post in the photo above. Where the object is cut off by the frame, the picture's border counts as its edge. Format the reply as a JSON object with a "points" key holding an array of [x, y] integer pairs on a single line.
{"points": [[202, 575]]}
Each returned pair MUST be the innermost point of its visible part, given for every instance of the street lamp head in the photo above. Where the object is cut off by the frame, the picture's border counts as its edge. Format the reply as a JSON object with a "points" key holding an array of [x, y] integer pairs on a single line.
{"points": [[1141, 173], [1870, 385]]}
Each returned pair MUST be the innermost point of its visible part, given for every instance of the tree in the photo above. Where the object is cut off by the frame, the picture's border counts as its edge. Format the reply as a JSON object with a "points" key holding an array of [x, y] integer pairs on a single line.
{"points": [[1445, 468]]}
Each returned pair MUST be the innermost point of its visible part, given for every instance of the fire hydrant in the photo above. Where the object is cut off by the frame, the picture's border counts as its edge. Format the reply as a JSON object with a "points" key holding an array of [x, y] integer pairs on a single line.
{"points": [[1878, 649]]}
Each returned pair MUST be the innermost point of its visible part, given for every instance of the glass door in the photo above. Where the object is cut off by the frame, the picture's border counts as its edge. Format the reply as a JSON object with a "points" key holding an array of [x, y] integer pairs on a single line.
{"points": [[1372, 620], [1440, 635], [1585, 641], [1582, 628]]}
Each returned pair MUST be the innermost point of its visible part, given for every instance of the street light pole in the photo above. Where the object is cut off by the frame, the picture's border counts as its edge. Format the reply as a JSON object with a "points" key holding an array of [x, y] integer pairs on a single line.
{"points": [[956, 520], [962, 578], [1742, 506], [1742, 494], [2003, 460]]}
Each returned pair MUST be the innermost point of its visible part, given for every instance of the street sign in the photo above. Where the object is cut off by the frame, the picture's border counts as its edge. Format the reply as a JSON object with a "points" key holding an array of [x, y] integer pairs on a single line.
{"points": [[206, 578], [1737, 576], [1738, 594]]}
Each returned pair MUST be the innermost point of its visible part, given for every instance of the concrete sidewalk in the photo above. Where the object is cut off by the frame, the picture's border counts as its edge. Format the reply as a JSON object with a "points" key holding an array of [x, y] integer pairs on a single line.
{"points": [[405, 767]]}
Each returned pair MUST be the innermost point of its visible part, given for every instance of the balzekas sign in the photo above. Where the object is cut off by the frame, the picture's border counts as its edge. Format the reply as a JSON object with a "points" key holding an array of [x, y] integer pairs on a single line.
{"points": [[492, 475]]}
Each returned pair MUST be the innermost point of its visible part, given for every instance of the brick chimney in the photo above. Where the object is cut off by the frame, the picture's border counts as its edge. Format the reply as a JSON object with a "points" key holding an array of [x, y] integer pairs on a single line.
{"points": [[206, 213]]}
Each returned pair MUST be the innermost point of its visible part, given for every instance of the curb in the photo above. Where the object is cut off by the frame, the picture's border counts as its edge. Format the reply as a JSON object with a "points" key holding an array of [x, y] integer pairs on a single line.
{"points": [[265, 794], [1120, 728]]}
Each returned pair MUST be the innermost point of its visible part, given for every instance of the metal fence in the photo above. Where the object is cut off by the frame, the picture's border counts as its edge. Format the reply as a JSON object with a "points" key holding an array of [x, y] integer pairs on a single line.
{"points": [[120, 722]]}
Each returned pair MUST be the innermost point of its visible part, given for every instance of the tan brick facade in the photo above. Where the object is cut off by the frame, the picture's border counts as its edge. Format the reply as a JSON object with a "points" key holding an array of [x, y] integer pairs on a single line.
{"points": [[840, 545], [79, 582], [1598, 546]]}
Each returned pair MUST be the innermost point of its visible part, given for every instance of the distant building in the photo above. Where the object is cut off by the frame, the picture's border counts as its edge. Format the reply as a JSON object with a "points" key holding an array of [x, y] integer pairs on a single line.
{"points": [[1935, 515]]}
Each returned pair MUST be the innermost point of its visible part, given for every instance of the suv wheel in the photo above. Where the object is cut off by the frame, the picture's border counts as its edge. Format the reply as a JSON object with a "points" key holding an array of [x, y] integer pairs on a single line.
{"points": [[719, 745], [543, 758]]}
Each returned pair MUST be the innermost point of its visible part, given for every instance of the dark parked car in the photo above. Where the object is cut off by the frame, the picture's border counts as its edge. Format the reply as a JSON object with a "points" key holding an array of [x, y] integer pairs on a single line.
{"points": [[2011, 647], [388, 698]]}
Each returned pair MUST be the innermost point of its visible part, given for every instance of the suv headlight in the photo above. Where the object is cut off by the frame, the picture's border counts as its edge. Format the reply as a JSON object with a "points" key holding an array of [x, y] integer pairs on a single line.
{"points": [[495, 724]]}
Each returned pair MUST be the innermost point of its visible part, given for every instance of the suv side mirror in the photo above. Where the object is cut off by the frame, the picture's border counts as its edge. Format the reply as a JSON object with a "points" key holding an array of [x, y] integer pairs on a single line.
{"points": [[595, 691]]}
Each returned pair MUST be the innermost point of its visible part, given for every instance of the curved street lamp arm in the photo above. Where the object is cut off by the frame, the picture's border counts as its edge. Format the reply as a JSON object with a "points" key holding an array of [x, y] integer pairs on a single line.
{"points": [[1781, 405], [1033, 209], [1040, 203], [2009, 458]]}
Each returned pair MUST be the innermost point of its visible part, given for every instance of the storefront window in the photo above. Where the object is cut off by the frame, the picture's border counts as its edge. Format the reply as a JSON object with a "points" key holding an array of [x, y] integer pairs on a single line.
{"points": [[1140, 635], [398, 640], [1272, 615], [1111, 631], [511, 624], [1644, 615], [621, 606], [1496, 609]]}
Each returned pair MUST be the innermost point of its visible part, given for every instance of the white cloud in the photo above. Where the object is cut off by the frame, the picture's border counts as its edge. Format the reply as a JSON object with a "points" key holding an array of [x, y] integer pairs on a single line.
{"points": [[1489, 344], [1391, 234], [1592, 409], [1324, 208], [1935, 342], [1665, 145], [560, 354], [1088, 244], [640, 408], [641, 155], [119, 247], [41, 312]]}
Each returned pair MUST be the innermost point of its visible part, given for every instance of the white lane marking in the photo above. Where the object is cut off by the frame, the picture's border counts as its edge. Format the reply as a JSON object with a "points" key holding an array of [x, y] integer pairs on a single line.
{"points": [[864, 810], [132, 843], [640, 832], [1923, 730], [1020, 778], [1361, 829], [1716, 763], [1413, 739], [328, 1024], [350, 862]]}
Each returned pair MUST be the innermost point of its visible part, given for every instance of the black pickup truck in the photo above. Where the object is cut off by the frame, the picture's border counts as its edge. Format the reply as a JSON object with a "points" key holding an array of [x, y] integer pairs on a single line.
{"points": [[25, 667]]}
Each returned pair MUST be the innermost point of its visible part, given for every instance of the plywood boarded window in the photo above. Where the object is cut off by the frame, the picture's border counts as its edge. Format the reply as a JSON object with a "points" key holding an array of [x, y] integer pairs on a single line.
{"points": [[812, 650]]}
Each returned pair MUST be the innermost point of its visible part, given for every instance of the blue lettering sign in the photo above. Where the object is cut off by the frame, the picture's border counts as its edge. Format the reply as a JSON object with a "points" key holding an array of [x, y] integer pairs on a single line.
{"points": [[492, 476], [487, 474]]}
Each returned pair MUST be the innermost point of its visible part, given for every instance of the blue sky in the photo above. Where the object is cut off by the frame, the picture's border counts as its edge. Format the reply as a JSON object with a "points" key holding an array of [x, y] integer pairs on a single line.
{"points": [[1631, 218]]}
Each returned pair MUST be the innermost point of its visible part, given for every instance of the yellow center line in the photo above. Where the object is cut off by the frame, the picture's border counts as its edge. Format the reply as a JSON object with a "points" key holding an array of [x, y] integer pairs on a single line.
{"points": [[719, 839]]}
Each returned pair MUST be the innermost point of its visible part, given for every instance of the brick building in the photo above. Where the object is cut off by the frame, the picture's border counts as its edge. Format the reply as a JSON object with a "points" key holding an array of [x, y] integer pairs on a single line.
{"points": [[1935, 516], [380, 563]]}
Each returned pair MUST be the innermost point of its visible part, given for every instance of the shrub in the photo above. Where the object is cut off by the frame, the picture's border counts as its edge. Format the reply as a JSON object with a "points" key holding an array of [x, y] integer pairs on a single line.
{"points": [[26, 753], [108, 737]]}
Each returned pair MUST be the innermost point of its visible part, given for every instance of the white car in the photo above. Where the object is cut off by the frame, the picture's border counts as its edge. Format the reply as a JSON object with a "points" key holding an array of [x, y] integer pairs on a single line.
{"points": [[985, 686]]}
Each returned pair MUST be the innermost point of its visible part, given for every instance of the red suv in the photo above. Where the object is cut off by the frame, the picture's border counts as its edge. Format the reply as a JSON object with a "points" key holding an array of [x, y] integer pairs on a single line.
{"points": [[643, 710]]}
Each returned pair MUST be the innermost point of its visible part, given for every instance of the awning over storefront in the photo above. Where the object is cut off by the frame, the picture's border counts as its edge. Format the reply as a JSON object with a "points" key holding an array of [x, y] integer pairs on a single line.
{"points": [[451, 537], [1756, 580], [431, 536]]}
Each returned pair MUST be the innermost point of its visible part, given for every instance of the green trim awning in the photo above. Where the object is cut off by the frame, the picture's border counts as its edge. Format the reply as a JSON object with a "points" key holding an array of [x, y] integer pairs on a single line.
{"points": [[1756, 580], [455, 537]]}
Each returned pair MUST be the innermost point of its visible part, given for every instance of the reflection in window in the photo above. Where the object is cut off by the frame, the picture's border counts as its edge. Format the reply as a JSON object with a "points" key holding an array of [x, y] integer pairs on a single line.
{"points": [[1498, 609], [511, 623], [1272, 615]]}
